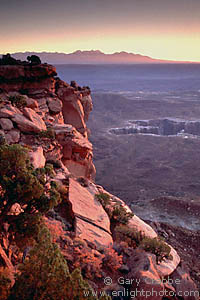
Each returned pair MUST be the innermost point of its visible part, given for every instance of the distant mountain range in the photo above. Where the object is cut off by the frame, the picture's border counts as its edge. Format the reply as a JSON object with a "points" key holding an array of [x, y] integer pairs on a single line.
{"points": [[91, 57]]}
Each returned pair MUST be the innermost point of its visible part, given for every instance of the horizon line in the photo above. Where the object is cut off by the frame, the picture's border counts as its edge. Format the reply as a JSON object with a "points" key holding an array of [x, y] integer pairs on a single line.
{"points": [[97, 50]]}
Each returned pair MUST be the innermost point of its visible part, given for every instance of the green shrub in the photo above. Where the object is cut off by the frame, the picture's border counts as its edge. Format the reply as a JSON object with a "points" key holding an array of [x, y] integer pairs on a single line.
{"points": [[18, 101], [49, 170], [21, 183], [45, 275], [157, 247], [120, 214], [131, 236], [49, 134], [135, 238], [103, 198]]}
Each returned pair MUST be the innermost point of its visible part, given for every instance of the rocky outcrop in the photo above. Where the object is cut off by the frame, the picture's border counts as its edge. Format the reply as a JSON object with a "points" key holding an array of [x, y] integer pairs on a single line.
{"points": [[76, 151], [76, 105], [29, 122], [92, 222], [27, 78], [51, 104]]}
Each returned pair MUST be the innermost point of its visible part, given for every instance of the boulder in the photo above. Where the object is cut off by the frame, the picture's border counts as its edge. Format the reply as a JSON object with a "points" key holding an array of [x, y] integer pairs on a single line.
{"points": [[37, 157], [13, 136], [140, 225], [55, 105], [42, 103], [91, 233], [27, 126], [31, 103], [75, 168], [35, 118], [92, 222], [66, 133], [185, 287], [77, 151], [143, 279], [9, 111], [6, 124]]}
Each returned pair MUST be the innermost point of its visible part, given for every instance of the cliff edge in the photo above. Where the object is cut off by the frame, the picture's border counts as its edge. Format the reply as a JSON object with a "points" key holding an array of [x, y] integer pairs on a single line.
{"points": [[95, 230]]}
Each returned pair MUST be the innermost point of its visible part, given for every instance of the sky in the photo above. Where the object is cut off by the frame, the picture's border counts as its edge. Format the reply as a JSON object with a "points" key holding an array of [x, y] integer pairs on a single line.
{"points": [[164, 29]]}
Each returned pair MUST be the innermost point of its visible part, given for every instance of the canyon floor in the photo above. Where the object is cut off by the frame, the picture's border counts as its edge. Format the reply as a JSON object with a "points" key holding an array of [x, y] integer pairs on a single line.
{"points": [[158, 176]]}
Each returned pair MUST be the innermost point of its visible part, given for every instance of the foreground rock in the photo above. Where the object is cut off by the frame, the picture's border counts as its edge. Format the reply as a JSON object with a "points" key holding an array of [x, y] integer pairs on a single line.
{"points": [[92, 222]]}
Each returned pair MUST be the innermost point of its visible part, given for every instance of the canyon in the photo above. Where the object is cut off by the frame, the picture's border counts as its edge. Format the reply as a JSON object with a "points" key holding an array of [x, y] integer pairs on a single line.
{"points": [[48, 117]]}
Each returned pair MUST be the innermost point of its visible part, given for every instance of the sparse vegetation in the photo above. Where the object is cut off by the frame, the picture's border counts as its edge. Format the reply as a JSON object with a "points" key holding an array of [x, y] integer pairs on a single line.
{"points": [[131, 236], [49, 134], [104, 199], [49, 170], [120, 214], [85, 260], [45, 274], [21, 183], [18, 101], [116, 213], [156, 246], [135, 238], [92, 263], [111, 261]]}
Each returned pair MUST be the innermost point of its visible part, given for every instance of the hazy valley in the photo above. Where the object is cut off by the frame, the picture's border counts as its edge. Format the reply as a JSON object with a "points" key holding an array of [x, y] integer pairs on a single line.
{"points": [[141, 168]]}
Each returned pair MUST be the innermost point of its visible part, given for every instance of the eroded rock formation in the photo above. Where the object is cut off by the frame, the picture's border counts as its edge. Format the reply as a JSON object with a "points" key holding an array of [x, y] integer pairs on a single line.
{"points": [[165, 127]]}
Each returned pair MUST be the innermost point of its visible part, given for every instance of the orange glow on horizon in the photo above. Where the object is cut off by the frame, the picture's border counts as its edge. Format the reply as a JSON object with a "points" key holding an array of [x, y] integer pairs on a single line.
{"points": [[161, 43]]}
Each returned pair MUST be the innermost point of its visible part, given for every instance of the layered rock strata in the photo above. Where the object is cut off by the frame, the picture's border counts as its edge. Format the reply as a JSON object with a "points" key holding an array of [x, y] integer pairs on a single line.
{"points": [[163, 127]]}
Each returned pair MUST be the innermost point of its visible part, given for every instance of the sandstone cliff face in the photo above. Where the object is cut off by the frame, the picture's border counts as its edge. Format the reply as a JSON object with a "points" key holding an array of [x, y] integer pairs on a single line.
{"points": [[48, 116], [50, 104]]}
